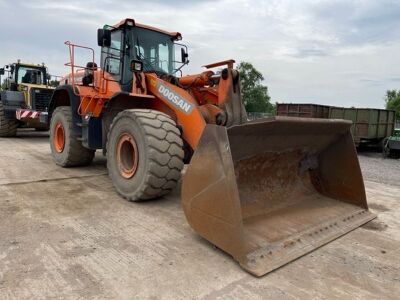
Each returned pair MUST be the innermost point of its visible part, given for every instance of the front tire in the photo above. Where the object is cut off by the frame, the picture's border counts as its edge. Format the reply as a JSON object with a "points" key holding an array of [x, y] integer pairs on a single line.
{"points": [[8, 128], [66, 149], [144, 154]]}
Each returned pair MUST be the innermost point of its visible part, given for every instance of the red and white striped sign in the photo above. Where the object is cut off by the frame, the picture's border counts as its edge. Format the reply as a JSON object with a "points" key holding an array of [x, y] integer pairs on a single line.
{"points": [[26, 113]]}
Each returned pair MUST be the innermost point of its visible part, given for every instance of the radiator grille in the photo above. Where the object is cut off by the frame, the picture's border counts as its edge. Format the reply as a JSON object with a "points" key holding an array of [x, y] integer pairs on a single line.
{"points": [[41, 99]]}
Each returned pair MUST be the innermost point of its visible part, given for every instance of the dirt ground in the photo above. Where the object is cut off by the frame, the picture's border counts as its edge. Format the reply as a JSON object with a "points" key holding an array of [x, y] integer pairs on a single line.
{"points": [[377, 169], [66, 234]]}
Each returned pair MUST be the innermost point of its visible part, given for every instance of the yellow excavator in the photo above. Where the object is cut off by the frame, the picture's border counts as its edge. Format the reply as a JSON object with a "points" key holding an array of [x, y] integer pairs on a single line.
{"points": [[266, 192]]}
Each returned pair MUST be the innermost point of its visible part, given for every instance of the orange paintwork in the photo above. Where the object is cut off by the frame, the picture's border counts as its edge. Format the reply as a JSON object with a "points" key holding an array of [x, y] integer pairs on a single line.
{"points": [[194, 102], [175, 35], [193, 123], [223, 88], [205, 95], [205, 100], [196, 80], [210, 112], [59, 137], [229, 63], [93, 96]]}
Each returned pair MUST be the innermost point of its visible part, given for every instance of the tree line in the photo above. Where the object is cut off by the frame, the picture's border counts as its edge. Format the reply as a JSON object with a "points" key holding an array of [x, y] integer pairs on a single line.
{"points": [[254, 93], [392, 101], [256, 98]]}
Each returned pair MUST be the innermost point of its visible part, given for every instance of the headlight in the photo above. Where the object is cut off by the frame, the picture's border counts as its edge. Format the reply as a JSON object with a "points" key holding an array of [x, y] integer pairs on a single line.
{"points": [[136, 66]]}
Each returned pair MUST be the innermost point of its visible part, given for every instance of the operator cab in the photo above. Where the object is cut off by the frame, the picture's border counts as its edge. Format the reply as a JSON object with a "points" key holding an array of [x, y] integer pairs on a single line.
{"points": [[23, 73], [155, 49]]}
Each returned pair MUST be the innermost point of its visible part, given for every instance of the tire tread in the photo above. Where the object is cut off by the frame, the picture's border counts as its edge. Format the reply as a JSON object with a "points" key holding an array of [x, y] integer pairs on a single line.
{"points": [[8, 128], [165, 148], [77, 155]]}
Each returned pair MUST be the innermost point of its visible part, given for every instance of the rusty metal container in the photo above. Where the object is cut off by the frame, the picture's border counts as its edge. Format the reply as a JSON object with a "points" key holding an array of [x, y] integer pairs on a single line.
{"points": [[369, 125], [268, 192], [303, 110]]}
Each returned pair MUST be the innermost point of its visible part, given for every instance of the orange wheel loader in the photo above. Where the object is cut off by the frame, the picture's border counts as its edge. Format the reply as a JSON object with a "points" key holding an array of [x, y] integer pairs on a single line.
{"points": [[266, 192]]}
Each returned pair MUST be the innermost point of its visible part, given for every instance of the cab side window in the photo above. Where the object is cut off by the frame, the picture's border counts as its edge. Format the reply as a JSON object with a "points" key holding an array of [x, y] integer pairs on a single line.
{"points": [[111, 56]]}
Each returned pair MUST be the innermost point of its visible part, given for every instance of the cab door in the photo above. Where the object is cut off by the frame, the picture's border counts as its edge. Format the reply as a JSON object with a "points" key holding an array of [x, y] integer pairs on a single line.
{"points": [[111, 57]]}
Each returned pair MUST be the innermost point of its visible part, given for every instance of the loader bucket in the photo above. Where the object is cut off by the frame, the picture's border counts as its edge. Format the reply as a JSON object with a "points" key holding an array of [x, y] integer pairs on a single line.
{"points": [[269, 192]]}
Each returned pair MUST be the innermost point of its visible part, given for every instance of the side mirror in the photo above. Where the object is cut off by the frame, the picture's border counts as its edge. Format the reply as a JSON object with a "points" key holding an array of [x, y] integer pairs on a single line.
{"points": [[136, 66], [2, 71], [48, 76], [184, 56], [104, 37]]}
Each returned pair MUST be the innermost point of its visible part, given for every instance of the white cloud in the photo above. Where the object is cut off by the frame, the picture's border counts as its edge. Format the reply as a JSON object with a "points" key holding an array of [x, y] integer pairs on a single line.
{"points": [[333, 52]]}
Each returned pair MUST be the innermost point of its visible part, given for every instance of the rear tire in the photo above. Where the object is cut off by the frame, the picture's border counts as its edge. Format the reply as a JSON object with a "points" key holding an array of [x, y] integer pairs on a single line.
{"points": [[8, 128], [66, 149], [144, 154]]}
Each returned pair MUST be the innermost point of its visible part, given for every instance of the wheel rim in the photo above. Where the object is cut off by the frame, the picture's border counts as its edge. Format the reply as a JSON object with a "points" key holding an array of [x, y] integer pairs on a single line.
{"points": [[127, 156], [59, 137]]}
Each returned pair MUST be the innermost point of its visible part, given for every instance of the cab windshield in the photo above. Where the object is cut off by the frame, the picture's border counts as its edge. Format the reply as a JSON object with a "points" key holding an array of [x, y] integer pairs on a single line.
{"points": [[154, 49], [30, 75]]}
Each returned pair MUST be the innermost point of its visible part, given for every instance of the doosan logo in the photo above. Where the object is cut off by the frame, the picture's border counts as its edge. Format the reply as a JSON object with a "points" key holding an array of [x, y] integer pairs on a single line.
{"points": [[175, 99]]}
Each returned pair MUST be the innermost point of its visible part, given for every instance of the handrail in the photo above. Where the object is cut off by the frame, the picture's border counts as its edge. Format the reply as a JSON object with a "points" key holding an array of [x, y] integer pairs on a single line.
{"points": [[71, 63]]}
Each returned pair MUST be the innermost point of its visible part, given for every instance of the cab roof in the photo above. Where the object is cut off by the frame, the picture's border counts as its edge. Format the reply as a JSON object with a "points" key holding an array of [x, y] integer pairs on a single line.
{"points": [[29, 65], [173, 35]]}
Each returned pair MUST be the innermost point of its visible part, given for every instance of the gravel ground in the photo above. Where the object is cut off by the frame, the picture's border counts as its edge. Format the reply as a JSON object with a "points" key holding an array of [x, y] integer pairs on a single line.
{"points": [[66, 234], [378, 169]]}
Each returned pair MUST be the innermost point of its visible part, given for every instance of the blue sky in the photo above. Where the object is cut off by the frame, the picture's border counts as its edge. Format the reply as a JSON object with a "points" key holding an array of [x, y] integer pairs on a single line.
{"points": [[330, 52]]}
